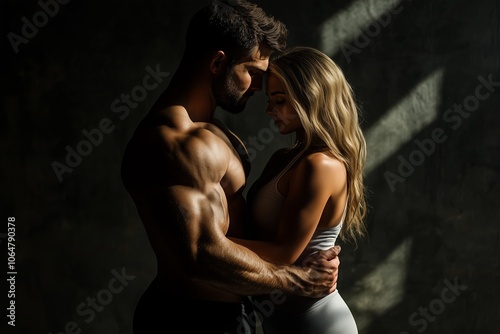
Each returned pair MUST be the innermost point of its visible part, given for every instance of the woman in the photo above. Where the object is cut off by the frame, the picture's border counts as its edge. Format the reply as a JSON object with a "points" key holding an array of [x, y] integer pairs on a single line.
{"points": [[309, 194]]}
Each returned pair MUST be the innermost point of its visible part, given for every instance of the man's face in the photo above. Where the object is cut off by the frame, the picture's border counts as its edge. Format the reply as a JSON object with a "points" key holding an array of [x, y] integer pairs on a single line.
{"points": [[233, 89]]}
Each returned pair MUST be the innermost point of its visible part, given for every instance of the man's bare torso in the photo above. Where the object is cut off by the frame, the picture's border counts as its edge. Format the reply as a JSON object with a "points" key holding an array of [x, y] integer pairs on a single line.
{"points": [[158, 161]]}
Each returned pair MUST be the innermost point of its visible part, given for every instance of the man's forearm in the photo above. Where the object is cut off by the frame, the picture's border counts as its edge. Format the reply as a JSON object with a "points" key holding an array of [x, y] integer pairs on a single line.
{"points": [[239, 270]]}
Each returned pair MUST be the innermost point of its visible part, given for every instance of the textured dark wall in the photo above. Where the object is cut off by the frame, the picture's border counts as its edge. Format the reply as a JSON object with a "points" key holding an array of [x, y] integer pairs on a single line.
{"points": [[433, 218]]}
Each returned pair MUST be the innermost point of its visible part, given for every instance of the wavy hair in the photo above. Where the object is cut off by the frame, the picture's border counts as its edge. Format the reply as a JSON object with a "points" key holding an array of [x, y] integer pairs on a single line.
{"points": [[325, 103]]}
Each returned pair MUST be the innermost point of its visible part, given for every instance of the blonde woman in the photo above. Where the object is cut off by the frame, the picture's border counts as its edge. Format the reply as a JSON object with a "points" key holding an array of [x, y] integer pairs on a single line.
{"points": [[312, 193]]}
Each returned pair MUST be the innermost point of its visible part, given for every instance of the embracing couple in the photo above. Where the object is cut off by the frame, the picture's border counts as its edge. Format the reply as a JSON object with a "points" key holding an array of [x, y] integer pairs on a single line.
{"points": [[186, 177]]}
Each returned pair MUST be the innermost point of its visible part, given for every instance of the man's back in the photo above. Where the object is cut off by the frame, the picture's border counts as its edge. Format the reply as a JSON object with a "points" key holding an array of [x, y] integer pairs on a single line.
{"points": [[180, 174]]}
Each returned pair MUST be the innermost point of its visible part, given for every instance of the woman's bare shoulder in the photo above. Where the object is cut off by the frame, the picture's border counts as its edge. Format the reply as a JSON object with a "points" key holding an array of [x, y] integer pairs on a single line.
{"points": [[322, 169], [323, 160]]}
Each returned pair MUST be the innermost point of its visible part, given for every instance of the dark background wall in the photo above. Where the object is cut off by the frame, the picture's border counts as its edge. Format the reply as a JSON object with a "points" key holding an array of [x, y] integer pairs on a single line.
{"points": [[431, 261]]}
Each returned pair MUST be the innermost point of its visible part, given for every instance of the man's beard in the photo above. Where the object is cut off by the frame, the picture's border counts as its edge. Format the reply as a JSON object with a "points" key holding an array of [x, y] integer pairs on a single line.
{"points": [[227, 94]]}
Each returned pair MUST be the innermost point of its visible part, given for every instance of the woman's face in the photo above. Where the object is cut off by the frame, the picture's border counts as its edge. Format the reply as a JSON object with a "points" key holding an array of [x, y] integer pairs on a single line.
{"points": [[279, 107]]}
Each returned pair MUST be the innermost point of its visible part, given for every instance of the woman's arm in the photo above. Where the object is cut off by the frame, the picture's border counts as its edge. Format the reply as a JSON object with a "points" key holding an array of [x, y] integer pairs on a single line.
{"points": [[316, 179]]}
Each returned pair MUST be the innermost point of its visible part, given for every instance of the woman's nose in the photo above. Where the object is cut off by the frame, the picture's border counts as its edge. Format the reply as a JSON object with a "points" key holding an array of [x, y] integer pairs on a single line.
{"points": [[270, 110]]}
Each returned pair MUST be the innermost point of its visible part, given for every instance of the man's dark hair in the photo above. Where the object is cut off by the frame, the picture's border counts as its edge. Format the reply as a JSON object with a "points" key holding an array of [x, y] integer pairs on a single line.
{"points": [[234, 26]]}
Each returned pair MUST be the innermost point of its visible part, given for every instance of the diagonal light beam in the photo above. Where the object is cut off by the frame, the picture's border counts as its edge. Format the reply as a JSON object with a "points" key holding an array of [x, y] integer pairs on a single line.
{"points": [[385, 284], [352, 21], [400, 124]]}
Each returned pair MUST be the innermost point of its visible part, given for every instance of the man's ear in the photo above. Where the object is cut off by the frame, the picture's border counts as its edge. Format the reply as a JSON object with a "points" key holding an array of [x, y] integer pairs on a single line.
{"points": [[218, 62]]}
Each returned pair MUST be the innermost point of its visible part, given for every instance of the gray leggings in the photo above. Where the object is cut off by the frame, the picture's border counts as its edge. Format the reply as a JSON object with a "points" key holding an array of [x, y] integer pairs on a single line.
{"points": [[329, 315]]}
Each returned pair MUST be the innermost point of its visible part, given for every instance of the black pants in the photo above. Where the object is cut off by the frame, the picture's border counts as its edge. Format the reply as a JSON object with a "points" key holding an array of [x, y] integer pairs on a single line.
{"points": [[158, 313]]}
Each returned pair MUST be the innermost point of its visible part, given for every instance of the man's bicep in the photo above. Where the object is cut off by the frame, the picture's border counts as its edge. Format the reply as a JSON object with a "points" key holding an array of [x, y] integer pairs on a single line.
{"points": [[189, 219], [173, 209]]}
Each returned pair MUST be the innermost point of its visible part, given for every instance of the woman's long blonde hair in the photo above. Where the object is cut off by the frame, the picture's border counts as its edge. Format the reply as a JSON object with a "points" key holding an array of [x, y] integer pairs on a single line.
{"points": [[324, 101]]}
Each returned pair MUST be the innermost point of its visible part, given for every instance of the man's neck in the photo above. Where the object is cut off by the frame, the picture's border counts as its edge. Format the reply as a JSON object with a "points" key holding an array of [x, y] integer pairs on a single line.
{"points": [[190, 90]]}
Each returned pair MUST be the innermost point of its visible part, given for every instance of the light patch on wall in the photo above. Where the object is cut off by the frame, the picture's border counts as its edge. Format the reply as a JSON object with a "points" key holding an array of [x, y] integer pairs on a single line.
{"points": [[385, 285], [399, 125], [352, 21]]}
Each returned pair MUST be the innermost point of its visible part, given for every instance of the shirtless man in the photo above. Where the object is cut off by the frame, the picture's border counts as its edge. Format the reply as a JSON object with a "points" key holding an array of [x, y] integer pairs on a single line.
{"points": [[186, 179]]}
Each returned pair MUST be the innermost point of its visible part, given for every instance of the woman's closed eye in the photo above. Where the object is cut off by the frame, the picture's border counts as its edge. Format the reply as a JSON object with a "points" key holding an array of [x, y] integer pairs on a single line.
{"points": [[277, 101]]}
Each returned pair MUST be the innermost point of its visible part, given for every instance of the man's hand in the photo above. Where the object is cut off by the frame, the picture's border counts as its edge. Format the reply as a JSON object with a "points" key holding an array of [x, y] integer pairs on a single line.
{"points": [[327, 261]]}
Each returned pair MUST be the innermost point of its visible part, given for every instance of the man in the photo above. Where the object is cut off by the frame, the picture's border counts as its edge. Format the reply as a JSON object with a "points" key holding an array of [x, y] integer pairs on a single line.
{"points": [[186, 179]]}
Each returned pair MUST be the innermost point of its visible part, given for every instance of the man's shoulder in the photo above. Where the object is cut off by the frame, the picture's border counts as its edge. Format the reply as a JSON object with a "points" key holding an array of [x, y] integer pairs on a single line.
{"points": [[189, 137], [191, 148], [177, 150], [170, 136], [172, 127]]}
